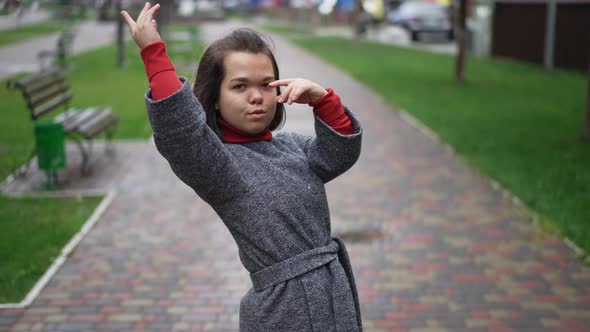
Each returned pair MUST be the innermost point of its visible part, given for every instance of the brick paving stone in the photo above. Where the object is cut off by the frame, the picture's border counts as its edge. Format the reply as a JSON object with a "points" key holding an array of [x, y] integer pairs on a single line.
{"points": [[114, 326], [160, 326], [82, 310], [8, 320], [74, 326]]}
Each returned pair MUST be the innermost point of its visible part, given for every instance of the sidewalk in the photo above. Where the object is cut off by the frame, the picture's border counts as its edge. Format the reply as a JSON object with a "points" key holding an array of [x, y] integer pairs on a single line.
{"points": [[433, 246], [28, 17], [22, 57]]}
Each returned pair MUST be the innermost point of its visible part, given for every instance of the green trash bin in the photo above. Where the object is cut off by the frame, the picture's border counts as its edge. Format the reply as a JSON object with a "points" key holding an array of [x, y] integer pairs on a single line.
{"points": [[50, 148]]}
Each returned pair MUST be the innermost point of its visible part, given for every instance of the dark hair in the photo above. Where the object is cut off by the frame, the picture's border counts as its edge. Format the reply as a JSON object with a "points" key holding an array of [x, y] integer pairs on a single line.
{"points": [[211, 72]]}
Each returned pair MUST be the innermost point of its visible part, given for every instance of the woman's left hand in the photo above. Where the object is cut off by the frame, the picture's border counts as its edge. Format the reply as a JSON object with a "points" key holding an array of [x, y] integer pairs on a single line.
{"points": [[299, 91], [145, 30]]}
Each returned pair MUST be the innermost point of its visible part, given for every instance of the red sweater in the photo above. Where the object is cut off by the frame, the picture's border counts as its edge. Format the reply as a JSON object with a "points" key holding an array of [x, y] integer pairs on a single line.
{"points": [[164, 82]]}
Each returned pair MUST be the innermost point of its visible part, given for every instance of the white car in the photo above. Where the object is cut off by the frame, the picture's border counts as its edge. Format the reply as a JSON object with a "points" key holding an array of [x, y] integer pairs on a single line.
{"points": [[421, 16]]}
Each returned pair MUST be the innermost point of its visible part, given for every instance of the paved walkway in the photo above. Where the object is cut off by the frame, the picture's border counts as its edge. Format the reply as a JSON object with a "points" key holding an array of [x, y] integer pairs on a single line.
{"points": [[433, 246], [28, 17], [22, 57]]}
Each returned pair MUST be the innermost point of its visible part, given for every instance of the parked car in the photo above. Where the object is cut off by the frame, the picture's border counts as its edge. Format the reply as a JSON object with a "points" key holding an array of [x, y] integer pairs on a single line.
{"points": [[201, 9], [422, 16]]}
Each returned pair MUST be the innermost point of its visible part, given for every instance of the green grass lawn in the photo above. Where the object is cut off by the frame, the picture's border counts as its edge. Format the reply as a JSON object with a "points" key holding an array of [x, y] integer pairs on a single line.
{"points": [[34, 231], [23, 33], [512, 121]]}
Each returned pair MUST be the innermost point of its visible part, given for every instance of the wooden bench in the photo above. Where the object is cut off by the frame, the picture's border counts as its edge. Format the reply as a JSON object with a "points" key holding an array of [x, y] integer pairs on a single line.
{"points": [[62, 51], [48, 92]]}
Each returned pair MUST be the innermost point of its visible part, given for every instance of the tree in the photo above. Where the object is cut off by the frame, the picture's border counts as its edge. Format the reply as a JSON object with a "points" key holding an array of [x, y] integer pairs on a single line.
{"points": [[359, 22], [356, 23], [165, 15], [586, 130], [120, 37], [461, 42]]}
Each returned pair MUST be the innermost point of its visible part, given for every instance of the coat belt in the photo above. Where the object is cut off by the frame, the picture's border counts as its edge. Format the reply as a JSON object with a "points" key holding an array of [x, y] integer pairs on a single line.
{"points": [[305, 262]]}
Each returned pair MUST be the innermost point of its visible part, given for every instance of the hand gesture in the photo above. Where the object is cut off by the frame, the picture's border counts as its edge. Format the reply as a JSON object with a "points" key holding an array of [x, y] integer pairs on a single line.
{"points": [[145, 30], [299, 91]]}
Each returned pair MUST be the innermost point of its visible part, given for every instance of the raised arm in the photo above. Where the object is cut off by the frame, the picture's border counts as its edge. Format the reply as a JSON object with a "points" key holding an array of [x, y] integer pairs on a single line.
{"points": [[337, 144], [195, 153], [159, 69]]}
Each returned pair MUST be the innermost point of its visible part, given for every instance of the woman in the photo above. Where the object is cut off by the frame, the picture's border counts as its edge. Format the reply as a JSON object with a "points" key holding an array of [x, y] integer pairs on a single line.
{"points": [[268, 190]]}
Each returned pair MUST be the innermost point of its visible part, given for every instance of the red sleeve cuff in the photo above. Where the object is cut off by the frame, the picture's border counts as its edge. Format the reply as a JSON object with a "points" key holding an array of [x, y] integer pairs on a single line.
{"points": [[160, 71], [156, 59], [329, 108], [320, 101]]}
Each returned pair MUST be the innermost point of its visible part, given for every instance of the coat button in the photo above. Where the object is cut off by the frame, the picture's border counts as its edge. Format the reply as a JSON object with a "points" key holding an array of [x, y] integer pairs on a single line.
{"points": [[314, 189]]}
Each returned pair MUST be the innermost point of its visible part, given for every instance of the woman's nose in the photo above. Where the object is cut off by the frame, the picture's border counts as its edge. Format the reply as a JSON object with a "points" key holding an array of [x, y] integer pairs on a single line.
{"points": [[255, 96]]}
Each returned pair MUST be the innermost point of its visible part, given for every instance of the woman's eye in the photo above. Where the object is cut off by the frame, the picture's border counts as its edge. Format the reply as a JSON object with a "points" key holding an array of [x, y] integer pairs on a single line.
{"points": [[266, 86], [239, 87]]}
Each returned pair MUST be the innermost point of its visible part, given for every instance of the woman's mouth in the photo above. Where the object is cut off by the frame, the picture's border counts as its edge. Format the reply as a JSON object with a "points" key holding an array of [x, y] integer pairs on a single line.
{"points": [[257, 114]]}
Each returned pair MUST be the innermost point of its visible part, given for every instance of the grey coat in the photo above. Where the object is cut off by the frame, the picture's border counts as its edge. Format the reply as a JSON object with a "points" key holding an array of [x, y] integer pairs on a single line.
{"points": [[271, 197]]}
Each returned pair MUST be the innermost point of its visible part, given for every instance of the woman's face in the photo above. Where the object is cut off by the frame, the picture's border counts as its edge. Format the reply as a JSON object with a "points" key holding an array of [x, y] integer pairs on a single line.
{"points": [[246, 101]]}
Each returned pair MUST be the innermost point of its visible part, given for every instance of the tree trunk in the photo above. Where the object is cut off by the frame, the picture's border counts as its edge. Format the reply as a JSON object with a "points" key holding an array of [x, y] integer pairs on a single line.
{"points": [[461, 42], [586, 130], [120, 37], [165, 16], [358, 24]]}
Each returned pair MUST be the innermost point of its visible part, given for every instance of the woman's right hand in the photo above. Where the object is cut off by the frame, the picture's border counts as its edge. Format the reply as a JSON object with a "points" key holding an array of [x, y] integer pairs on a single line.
{"points": [[145, 30]]}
